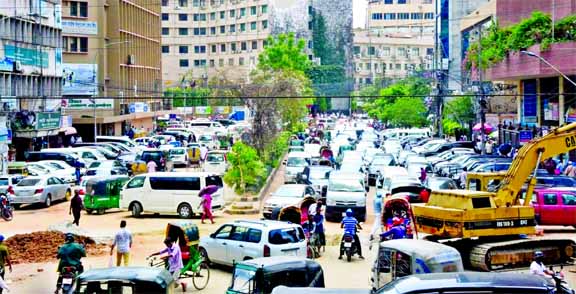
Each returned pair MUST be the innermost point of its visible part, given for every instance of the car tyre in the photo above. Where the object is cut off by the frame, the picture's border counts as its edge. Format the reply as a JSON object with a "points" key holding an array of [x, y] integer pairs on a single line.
{"points": [[48, 200], [185, 211], [136, 210], [204, 255]]}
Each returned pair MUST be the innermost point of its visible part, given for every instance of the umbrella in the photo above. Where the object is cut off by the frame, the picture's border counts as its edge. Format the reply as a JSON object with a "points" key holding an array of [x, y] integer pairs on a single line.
{"points": [[210, 189], [487, 128]]}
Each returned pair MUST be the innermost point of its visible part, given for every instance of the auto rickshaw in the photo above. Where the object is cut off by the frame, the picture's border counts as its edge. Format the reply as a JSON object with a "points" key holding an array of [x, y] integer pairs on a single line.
{"points": [[187, 235], [103, 193], [294, 214], [17, 168], [404, 257], [262, 275], [139, 167], [224, 142], [145, 280], [194, 154], [398, 206]]}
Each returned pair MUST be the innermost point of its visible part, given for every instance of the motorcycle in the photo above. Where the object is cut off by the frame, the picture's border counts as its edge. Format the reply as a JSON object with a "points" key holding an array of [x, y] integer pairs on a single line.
{"points": [[68, 275], [349, 246], [6, 209], [562, 286]]}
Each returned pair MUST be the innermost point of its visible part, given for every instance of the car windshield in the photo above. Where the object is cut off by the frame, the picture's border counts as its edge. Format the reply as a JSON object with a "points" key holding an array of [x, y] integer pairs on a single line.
{"points": [[297, 161], [55, 165], [177, 151], [288, 191], [4, 182], [341, 185], [95, 164], [383, 160], [205, 138], [214, 157], [242, 279], [318, 174], [28, 182]]}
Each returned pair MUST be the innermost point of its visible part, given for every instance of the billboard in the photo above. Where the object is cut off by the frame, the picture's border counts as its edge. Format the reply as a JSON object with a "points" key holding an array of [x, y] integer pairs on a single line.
{"points": [[79, 79], [88, 103], [79, 27]]}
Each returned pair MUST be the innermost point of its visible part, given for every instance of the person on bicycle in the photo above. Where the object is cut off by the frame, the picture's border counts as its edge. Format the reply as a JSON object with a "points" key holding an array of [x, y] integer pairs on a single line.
{"points": [[173, 256]]}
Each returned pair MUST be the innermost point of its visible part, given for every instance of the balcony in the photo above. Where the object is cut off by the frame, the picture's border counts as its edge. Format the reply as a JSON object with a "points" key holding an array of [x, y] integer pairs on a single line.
{"points": [[519, 66]]}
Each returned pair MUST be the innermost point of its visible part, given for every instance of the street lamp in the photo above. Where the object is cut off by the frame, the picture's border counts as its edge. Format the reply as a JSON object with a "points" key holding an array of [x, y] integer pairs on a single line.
{"points": [[532, 54], [96, 82]]}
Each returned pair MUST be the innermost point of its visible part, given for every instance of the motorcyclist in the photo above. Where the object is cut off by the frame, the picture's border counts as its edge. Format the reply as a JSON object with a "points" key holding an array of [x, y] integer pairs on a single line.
{"points": [[537, 266], [350, 225], [398, 231], [70, 254]]}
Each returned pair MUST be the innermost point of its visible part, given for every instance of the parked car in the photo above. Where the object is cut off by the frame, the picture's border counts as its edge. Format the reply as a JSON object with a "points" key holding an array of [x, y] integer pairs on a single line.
{"points": [[295, 164], [42, 189], [554, 205], [250, 239], [7, 183], [440, 183], [287, 195], [346, 190], [107, 167], [210, 140], [216, 162], [71, 159], [178, 155], [67, 175], [377, 165], [163, 162]]}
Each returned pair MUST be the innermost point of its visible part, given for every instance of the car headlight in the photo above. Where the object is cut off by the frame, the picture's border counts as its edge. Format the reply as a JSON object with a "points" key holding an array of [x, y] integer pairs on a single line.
{"points": [[330, 202]]}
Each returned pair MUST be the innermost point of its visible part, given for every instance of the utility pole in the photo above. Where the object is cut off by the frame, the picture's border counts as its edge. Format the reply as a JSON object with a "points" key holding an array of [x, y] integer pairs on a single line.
{"points": [[482, 101]]}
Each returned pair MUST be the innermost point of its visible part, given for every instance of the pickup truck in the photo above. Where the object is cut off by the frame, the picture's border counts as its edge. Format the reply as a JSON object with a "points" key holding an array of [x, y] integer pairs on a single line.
{"points": [[555, 205]]}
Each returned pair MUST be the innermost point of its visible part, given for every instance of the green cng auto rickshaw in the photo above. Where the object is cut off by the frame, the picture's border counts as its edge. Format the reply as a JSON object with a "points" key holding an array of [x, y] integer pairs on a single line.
{"points": [[143, 280], [262, 275], [103, 193], [17, 168]]}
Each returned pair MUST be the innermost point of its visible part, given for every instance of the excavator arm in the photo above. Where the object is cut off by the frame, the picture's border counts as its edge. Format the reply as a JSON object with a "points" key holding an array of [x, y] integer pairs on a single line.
{"points": [[560, 140]]}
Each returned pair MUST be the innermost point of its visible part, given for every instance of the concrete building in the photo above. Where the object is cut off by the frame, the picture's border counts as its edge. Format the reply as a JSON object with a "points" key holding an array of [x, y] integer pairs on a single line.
{"points": [[398, 39], [111, 50], [204, 39]]}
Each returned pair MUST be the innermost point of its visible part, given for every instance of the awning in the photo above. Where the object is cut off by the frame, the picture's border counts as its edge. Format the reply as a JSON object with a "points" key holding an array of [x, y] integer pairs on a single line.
{"points": [[68, 131]]}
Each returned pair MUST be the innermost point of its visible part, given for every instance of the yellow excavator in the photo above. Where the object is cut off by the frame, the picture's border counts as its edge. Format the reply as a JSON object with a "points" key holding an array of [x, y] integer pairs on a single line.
{"points": [[493, 231]]}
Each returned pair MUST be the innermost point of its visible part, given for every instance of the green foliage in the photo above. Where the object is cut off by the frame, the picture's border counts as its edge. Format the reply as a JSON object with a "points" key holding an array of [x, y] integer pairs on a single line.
{"points": [[275, 151], [328, 53], [326, 74], [323, 103], [188, 96], [246, 168], [284, 53], [406, 112], [461, 110], [450, 127]]}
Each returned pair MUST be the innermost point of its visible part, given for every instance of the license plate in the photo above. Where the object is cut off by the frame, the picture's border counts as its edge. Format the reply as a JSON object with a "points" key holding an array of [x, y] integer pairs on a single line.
{"points": [[67, 281], [348, 245], [291, 252]]}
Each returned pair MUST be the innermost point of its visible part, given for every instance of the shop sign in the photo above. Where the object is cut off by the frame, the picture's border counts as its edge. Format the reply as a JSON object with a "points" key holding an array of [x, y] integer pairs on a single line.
{"points": [[48, 120], [525, 136], [65, 121], [138, 107], [79, 27], [79, 79], [571, 114], [32, 57], [88, 103], [550, 110], [6, 64], [203, 110]]}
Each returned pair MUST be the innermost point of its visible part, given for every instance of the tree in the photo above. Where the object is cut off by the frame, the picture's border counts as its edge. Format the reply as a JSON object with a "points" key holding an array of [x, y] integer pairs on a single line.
{"points": [[246, 168], [461, 110], [284, 53], [406, 112]]}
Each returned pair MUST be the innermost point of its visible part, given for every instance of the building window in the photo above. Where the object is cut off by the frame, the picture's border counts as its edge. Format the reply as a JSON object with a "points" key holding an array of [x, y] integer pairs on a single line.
{"points": [[184, 63], [232, 13], [233, 47], [415, 51], [264, 24], [212, 63], [165, 49], [253, 10], [222, 29], [264, 9], [199, 16], [200, 49], [389, 16], [164, 2], [386, 51], [388, 2], [183, 31], [429, 51], [403, 15], [356, 49], [199, 62], [417, 15], [243, 11], [401, 1], [183, 49], [213, 48], [222, 14], [183, 3], [75, 44], [182, 17], [165, 16], [165, 31], [253, 26], [254, 45], [241, 61], [371, 50], [242, 27], [232, 28], [230, 61], [429, 15], [243, 46], [402, 52], [195, 3], [222, 48], [398, 66], [368, 66], [78, 9], [213, 31], [220, 62], [213, 16], [377, 16]]}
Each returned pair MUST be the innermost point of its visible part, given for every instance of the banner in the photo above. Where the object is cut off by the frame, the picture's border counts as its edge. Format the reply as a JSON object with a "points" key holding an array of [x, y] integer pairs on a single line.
{"points": [[571, 114], [26, 56], [79, 27], [87, 103], [6, 64], [79, 79], [138, 107], [48, 120], [525, 136]]}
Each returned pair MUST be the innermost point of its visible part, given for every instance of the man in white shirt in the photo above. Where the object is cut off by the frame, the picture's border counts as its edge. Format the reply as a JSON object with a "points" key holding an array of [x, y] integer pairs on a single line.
{"points": [[151, 166], [123, 244], [537, 267]]}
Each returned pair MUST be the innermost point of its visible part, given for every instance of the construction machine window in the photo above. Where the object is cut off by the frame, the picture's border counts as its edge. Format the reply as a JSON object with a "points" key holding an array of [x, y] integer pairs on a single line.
{"points": [[481, 202]]}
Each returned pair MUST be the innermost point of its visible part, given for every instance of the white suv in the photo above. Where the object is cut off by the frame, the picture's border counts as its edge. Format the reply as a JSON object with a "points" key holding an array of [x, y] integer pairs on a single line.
{"points": [[249, 239]]}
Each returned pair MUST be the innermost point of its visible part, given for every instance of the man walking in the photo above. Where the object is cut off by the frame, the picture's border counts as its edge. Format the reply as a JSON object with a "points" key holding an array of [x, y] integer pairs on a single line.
{"points": [[4, 259], [76, 206], [377, 215], [123, 244]]}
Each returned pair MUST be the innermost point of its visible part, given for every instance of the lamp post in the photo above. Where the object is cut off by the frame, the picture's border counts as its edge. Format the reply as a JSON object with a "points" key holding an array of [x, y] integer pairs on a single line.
{"points": [[532, 54], [96, 82]]}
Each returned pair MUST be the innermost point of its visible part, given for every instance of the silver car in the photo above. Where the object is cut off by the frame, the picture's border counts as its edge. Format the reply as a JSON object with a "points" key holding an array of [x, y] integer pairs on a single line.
{"points": [[179, 155], [41, 189]]}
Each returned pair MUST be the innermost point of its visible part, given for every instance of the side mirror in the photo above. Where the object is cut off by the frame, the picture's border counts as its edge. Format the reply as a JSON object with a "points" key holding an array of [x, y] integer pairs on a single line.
{"points": [[213, 235], [283, 162], [367, 188]]}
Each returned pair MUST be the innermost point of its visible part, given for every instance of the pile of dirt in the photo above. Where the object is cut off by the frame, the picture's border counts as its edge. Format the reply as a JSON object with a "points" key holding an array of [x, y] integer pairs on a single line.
{"points": [[43, 246]]}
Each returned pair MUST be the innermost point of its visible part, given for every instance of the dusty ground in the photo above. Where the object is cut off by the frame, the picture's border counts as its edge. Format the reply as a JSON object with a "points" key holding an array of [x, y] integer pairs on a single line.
{"points": [[148, 235]]}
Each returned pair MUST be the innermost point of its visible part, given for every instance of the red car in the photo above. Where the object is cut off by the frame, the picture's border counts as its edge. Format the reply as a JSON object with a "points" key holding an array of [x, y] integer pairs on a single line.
{"points": [[555, 205]]}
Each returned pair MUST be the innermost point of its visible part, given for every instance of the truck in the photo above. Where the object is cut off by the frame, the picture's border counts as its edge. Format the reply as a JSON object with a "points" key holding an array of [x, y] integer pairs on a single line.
{"points": [[486, 227]]}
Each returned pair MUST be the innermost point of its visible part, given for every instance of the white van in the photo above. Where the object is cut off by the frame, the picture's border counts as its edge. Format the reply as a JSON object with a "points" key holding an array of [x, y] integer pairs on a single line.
{"points": [[170, 193], [401, 133], [346, 190]]}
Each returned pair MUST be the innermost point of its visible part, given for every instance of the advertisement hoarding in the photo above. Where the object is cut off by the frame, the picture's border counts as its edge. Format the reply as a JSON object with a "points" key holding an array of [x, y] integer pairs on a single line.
{"points": [[79, 79]]}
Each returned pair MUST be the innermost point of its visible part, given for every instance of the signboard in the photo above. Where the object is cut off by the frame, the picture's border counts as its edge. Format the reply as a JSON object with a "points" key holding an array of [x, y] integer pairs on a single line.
{"points": [[203, 110], [48, 120], [6, 64], [550, 110], [65, 121], [530, 102], [571, 114], [79, 79], [79, 27], [138, 107], [525, 136], [87, 103], [26, 56], [58, 16]]}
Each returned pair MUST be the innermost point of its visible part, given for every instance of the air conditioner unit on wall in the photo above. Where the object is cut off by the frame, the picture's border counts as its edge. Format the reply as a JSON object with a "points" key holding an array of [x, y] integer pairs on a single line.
{"points": [[18, 67]]}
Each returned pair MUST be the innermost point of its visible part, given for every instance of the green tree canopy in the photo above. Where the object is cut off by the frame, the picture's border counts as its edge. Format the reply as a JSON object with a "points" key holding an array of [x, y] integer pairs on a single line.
{"points": [[460, 110], [246, 168], [406, 112], [284, 53]]}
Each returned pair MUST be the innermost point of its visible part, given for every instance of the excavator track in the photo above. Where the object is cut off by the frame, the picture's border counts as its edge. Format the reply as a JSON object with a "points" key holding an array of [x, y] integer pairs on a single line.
{"points": [[511, 254]]}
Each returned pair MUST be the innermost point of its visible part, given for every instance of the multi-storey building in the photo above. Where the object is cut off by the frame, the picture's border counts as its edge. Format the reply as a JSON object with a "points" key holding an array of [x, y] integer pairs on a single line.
{"points": [[203, 39], [111, 50], [398, 39]]}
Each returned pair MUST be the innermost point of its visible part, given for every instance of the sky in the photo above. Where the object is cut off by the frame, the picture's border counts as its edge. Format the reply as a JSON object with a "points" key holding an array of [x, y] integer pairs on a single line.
{"points": [[359, 13]]}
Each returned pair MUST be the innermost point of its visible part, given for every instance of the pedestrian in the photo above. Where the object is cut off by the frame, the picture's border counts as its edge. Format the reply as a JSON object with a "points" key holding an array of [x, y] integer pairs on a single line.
{"points": [[319, 220], [174, 257], [123, 244], [203, 152], [569, 168], [151, 166], [377, 215], [488, 147], [422, 177], [77, 172], [76, 206], [572, 172], [4, 259], [206, 204], [462, 177]]}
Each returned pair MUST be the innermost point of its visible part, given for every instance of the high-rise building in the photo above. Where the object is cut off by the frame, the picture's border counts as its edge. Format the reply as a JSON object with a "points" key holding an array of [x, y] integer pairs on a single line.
{"points": [[111, 50], [398, 39], [204, 39]]}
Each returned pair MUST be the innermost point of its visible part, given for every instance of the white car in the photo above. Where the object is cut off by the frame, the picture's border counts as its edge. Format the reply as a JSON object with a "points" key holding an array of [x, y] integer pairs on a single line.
{"points": [[249, 239], [179, 155], [68, 175], [286, 195]]}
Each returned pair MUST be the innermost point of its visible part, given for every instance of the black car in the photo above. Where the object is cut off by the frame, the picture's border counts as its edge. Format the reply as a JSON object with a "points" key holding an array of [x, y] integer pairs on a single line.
{"points": [[70, 159]]}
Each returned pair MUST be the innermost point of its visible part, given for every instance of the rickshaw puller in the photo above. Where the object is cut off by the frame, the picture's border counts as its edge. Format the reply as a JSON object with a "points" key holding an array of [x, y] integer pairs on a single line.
{"points": [[398, 231]]}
